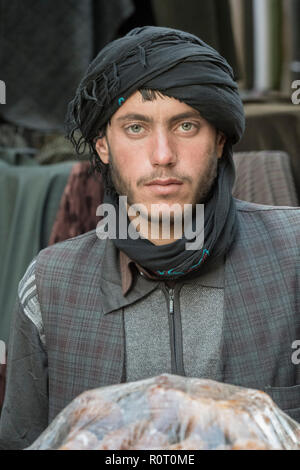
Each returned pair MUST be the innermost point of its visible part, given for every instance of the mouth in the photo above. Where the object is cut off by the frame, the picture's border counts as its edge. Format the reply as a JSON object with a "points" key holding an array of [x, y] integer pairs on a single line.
{"points": [[164, 182], [168, 186]]}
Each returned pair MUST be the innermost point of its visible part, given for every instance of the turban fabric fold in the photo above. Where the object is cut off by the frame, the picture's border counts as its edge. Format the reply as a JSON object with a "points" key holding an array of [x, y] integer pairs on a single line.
{"points": [[177, 63]]}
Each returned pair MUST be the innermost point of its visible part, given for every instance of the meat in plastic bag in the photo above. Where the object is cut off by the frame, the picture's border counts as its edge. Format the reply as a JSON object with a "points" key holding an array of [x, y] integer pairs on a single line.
{"points": [[171, 412]]}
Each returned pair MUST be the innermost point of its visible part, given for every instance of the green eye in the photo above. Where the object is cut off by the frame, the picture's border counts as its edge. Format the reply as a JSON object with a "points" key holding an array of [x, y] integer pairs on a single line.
{"points": [[187, 126], [135, 128]]}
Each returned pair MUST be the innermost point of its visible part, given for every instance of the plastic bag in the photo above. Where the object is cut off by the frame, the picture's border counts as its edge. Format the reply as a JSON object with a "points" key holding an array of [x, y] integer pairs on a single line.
{"points": [[171, 412]]}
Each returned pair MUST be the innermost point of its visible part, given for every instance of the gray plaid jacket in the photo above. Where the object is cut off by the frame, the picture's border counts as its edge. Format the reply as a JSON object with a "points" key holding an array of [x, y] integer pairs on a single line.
{"points": [[79, 283]]}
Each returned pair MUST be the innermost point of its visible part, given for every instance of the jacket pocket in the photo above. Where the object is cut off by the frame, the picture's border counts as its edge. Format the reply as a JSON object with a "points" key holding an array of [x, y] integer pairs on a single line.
{"points": [[287, 398]]}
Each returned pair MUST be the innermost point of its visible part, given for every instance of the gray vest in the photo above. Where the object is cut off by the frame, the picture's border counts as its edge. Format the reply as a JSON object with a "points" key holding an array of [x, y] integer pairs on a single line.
{"points": [[83, 308]]}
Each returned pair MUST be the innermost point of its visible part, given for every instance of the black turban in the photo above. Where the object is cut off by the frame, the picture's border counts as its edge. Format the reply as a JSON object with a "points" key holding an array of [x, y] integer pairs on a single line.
{"points": [[177, 63]]}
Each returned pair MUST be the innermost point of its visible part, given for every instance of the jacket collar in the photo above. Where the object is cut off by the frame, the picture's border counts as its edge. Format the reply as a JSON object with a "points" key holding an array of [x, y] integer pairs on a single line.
{"points": [[111, 281]]}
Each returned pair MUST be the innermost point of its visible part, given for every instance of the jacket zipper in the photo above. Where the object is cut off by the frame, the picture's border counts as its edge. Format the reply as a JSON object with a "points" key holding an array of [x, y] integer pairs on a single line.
{"points": [[171, 312], [171, 302]]}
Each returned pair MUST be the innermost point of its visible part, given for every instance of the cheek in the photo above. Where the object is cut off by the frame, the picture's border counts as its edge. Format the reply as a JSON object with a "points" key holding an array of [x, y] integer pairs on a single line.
{"points": [[202, 149], [131, 157], [195, 160], [128, 165], [120, 153]]}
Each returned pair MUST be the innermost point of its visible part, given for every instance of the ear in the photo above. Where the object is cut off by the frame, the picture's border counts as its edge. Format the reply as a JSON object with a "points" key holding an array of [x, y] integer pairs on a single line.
{"points": [[102, 149], [221, 139]]}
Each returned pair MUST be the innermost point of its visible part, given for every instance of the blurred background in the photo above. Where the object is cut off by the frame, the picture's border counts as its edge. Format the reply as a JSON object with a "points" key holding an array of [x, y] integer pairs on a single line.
{"points": [[46, 194]]}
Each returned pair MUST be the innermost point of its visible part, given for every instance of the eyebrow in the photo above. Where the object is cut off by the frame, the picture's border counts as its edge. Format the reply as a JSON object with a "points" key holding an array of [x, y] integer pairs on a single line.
{"points": [[142, 117]]}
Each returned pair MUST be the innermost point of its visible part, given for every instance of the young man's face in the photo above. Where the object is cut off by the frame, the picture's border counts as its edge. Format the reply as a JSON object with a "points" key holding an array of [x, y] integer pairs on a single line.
{"points": [[160, 139]]}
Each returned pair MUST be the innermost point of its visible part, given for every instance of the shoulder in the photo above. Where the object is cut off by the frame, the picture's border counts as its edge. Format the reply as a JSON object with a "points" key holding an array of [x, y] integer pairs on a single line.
{"points": [[244, 206], [72, 250], [72, 263], [283, 217], [75, 243], [266, 229]]}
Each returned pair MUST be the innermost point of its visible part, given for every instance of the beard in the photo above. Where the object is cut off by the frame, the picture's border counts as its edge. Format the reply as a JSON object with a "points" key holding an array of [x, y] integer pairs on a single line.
{"points": [[205, 186]]}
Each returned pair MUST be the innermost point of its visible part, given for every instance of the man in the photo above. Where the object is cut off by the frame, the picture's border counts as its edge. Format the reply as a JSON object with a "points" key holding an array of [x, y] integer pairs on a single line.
{"points": [[160, 111]]}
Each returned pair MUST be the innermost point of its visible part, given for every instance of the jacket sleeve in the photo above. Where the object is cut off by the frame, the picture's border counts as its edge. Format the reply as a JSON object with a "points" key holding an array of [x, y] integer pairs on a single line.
{"points": [[25, 409]]}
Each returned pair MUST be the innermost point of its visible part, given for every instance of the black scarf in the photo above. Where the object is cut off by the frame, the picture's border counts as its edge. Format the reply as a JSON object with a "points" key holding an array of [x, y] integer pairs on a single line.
{"points": [[181, 66]]}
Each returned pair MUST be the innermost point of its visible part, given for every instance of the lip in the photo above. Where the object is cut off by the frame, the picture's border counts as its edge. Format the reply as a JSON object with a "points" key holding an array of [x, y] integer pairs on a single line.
{"points": [[164, 187], [164, 182]]}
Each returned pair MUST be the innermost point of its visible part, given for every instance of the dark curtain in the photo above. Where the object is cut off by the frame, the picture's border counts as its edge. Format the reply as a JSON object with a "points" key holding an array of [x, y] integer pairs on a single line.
{"points": [[46, 46], [209, 20]]}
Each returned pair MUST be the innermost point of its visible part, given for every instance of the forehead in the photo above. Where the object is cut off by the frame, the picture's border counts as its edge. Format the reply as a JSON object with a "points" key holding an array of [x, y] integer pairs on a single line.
{"points": [[162, 106]]}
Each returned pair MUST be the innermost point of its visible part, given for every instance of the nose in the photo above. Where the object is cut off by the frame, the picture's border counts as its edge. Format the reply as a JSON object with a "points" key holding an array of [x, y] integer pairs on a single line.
{"points": [[163, 152]]}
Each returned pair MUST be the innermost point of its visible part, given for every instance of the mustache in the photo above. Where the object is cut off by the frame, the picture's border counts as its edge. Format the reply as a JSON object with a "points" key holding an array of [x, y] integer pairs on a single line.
{"points": [[146, 180]]}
